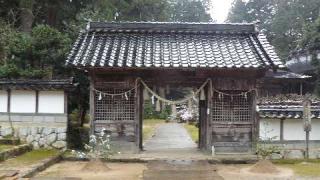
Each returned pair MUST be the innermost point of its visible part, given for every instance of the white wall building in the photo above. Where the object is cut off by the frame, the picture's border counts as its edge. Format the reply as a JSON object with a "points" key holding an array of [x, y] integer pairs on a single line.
{"points": [[36, 109]]}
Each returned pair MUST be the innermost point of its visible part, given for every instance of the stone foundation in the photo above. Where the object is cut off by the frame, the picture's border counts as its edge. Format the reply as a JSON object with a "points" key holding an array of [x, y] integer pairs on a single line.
{"points": [[39, 130], [296, 149]]}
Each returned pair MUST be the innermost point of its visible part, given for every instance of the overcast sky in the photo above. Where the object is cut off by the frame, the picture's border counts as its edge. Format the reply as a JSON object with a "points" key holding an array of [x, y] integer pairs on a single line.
{"points": [[220, 9]]}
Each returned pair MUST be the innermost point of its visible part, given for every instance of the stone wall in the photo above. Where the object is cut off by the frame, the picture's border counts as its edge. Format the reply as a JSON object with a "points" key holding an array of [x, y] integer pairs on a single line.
{"points": [[40, 130], [296, 149]]}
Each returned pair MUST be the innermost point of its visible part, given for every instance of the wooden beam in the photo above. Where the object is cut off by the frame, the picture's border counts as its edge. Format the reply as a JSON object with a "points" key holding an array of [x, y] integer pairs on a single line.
{"points": [[92, 106], [281, 128], [208, 119], [138, 116], [65, 102], [37, 101], [9, 101]]}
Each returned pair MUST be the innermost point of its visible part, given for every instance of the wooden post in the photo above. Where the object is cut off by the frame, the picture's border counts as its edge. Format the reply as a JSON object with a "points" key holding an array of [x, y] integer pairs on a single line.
{"points": [[9, 101], [255, 121], [37, 101], [202, 124], [208, 119], [92, 106], [138, 116], [65, 102], [281, 128]]}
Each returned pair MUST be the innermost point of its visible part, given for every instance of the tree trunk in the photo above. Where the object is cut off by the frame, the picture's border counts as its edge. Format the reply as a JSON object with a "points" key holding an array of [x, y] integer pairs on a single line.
{"points": [[82, 116], [26, 15]]}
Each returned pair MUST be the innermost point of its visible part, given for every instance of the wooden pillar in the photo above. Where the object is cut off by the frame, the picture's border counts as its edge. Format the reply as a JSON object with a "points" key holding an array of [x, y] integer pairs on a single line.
{"points": [[281, 128], [92, 106], [255, 120], [9, 101], [208, 119], [65, 102], [202, 124], [138, 116], [37, 101]]}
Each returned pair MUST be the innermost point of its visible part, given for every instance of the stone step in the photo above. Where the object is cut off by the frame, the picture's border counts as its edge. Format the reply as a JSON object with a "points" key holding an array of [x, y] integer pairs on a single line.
{"points": [[180, 165], [16, 151], [181, 175], [10, 141]]}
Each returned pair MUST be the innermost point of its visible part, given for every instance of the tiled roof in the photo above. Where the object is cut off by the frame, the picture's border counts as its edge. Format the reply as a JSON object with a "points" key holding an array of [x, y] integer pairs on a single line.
{"points": [[287, 106], [281, 74], [39, 84], [177, 45], [286, 111]]}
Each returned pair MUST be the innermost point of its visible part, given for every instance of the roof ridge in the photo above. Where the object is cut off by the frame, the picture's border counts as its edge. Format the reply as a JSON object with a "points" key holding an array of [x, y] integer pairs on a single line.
{"points": [[172, 26]]}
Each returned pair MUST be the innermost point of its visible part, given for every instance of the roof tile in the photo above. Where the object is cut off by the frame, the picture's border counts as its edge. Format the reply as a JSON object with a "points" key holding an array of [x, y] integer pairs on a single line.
{"points": [[173, 45]]}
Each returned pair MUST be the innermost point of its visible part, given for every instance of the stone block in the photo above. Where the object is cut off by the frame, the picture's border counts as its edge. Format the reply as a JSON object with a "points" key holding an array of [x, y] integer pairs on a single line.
{"points": [[29, 139], [295, 154], [6, 131], [61, 129], [4, 117], [34, 130], [61, 119], [23, 131], [15, 118], [26, 118], [47, 130], [62, 136], [42, 142], [37, 137], [59, 144], [35, 145], [40, 130], [51, 138], [38, 119], [49, 119]]}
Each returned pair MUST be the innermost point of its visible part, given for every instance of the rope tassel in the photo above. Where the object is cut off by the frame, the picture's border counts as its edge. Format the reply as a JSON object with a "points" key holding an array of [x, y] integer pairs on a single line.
{"points": [[202, 95]]}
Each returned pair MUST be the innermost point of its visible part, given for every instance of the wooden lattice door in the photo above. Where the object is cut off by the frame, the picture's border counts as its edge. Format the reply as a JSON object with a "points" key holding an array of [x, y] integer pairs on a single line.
{"points": [[115, 113], [232, 122]]}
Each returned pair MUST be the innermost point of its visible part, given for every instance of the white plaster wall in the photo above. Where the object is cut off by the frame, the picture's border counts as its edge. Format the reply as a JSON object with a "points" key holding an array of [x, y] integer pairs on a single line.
{"points": [[3, 101], [293, 129], [51, 102], [269, 128], [23, 101], [315, 131]]}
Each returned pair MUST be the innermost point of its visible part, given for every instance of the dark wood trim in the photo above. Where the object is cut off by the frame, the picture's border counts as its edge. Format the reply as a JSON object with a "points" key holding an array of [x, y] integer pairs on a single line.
{"points": [[65, 102], [255, 121], [208, 119], [9, 101], [37, 101], [138, 116], [281, 129], [92, 106]]}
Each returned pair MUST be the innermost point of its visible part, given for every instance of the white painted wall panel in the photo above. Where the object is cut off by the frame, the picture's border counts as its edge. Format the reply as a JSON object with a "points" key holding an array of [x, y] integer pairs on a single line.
{"points": [[270, 128], [23, 101], [293, 129], [3, 101], [51, 102], [315, 131]]}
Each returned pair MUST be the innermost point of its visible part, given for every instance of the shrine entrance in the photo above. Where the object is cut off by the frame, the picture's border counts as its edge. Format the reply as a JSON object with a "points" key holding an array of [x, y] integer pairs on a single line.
{"points": [[226, 117], [222, 62]]}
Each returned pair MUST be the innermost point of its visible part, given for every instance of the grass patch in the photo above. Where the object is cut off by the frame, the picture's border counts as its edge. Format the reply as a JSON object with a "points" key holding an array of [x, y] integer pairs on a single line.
{"points": [[300, 166], [33, 157], [4, 147], [193, 132], [149, 126]]}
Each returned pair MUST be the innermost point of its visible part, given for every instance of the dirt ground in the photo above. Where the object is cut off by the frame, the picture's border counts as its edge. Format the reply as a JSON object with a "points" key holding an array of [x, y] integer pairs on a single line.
{"points": [[242, 172], [119, 171], [134, 171]]}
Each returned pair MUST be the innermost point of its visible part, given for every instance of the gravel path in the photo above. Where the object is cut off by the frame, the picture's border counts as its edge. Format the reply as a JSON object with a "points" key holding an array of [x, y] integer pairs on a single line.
{"points": [[170, 136]]}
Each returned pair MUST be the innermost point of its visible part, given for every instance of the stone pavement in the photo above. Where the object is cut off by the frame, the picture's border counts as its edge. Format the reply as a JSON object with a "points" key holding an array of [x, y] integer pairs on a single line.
{"points": [[170, 136], [180, 170]]}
